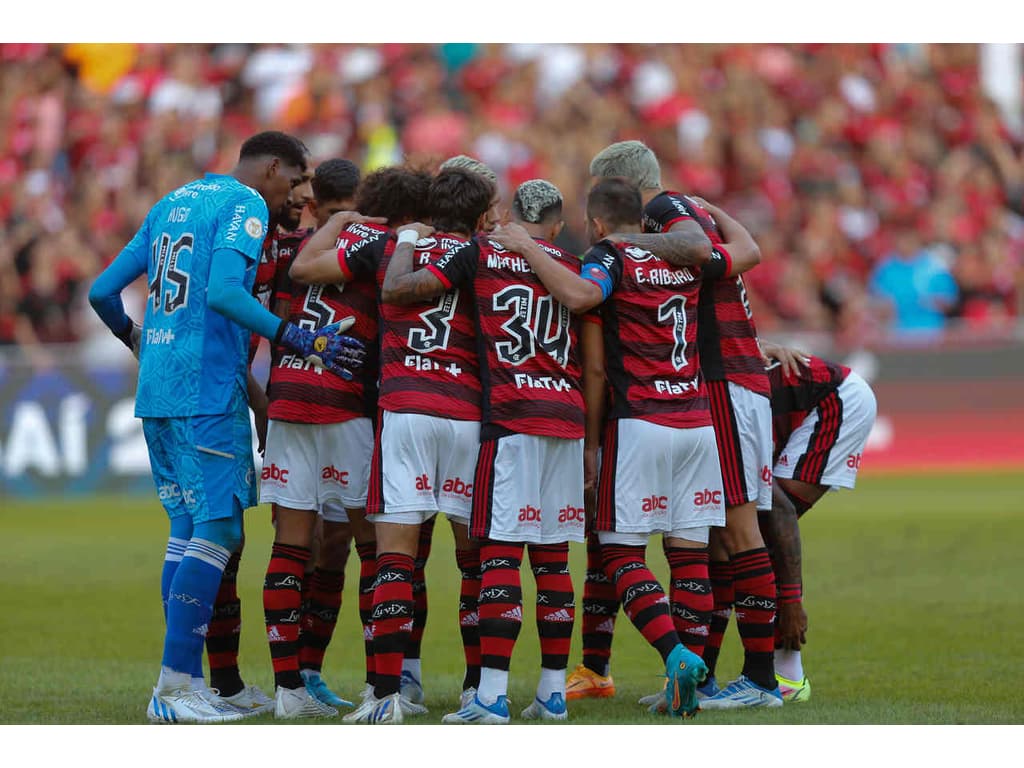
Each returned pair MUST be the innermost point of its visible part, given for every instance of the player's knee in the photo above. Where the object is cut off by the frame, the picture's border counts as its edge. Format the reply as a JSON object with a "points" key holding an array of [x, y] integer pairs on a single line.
{"points": [[226, 532]]}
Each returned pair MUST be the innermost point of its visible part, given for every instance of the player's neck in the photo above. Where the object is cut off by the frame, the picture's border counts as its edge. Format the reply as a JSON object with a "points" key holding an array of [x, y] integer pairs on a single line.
{"points": [[646, 195]]}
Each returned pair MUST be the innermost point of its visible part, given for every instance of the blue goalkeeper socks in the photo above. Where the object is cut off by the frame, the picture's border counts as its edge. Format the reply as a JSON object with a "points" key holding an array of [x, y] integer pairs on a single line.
{"points": [[190, 604]]}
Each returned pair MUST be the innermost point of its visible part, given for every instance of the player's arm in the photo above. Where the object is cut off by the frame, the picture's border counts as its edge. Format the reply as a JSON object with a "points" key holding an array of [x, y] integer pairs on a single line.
{"points": [[685, 244], [592, 351], [569, 289], [743, 251], [105, 293], [781, 533], [320, 261], [402, 284]]}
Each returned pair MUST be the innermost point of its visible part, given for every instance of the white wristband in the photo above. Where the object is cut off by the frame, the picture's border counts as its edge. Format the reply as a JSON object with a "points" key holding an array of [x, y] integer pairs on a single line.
{"points": [[408, 236]]}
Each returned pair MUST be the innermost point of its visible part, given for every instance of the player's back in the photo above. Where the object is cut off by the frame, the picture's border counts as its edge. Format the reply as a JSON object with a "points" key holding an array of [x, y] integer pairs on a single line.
{"points": [[794, 396], [192, 357], [530, 367]]}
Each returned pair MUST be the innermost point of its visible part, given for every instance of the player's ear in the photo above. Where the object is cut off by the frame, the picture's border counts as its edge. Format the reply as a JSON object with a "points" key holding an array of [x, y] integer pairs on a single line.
{"points": [[598, 228], [272, 167]]}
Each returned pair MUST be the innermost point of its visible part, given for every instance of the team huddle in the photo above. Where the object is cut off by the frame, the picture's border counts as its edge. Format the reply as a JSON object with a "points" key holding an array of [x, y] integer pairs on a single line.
{"points": [[430, 355]]}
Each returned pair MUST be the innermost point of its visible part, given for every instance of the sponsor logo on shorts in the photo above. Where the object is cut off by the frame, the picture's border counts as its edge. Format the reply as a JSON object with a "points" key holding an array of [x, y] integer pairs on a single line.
{"points": [[707, 498], [274, 472], [423, 483], [529, 514], [170, 491], [853, 461], [457, 487], [571, 514], [333, 473], [653, 504], [766, 475], [784, 460]]}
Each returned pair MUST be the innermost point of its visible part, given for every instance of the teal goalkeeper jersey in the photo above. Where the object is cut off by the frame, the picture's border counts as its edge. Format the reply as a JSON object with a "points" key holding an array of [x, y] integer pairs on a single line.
{"points": [[192, 358]]}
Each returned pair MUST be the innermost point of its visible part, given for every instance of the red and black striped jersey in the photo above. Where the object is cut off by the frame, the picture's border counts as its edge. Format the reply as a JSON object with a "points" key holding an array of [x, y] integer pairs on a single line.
{"points": [[527, 342], [650, 332], [272, 283], [794, 396], [428, 353], [728, 337], [301, 392]]}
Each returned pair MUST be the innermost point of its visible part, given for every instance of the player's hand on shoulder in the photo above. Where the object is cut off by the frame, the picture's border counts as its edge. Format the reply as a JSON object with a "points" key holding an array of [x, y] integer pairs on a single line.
{"points": [[420, 229], [511, 236]]}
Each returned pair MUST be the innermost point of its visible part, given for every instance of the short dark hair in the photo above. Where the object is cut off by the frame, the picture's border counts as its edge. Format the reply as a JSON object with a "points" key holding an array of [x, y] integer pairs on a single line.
{"points": [[398, 193], [615, 200], [276, 144], [335, 179], [457, 199]]}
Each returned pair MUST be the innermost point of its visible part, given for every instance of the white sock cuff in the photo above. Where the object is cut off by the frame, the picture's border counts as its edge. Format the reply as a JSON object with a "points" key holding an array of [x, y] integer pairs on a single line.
{"points": [[175, 549], [208, 552]]}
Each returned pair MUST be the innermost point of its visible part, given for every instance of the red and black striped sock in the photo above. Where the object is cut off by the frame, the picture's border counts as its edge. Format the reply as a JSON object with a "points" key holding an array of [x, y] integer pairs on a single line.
{"points": [[501, 602], [600, 607], [690, 596], [367, 576], [642, 597], [282, 609], [224, 632], [720, 573], [419, 590], [319, 615], [754, 585], [468, 561], [556, 602], [391, 620]]}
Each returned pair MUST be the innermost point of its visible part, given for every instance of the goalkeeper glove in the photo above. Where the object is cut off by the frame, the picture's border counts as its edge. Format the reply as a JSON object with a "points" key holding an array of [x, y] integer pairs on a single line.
{"points": [[131, 336], [326, 348]]}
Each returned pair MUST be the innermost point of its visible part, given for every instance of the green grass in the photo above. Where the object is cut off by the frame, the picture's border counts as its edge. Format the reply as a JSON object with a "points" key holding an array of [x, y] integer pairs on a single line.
{"points": [[913, 588]]}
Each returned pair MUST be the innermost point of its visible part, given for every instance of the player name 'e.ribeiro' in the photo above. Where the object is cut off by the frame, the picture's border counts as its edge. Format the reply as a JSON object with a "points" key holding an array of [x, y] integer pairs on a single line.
{"points": [[663, 276]]}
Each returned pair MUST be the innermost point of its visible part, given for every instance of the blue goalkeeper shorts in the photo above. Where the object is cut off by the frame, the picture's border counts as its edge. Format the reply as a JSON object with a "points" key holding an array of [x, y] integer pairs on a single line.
{"points": [[202, 464]]}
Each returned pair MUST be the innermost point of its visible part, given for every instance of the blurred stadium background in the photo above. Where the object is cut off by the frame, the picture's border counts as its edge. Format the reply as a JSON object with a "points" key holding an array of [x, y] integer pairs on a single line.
{"points": [[884, 183]]}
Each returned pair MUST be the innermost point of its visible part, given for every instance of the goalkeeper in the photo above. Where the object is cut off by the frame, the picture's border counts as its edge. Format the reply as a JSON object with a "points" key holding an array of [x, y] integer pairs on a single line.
{"points": [[199, 247]]}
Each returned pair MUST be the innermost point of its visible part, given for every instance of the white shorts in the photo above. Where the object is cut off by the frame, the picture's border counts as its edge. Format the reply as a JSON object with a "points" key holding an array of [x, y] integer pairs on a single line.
{"points": [[423, 465], [307, 466], [743, 429], [826, 448], [529, 488], [657, 479]]}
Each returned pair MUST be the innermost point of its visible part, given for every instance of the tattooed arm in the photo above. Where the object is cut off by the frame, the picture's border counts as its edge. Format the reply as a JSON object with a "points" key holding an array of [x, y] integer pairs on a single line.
{"points": [[781, 533]]}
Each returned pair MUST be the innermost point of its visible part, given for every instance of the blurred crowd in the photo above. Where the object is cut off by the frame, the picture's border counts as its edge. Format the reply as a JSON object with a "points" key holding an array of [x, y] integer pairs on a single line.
{"points": [[885, 188]]}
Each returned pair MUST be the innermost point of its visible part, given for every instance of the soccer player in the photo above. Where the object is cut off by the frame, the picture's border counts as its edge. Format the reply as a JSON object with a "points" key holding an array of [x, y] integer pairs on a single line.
{"points": [[822, 413], [348, 256], [528, 485], [199, 247], [428, 433], [317, 460], [740, 569], [222, 639], [659, 469]]}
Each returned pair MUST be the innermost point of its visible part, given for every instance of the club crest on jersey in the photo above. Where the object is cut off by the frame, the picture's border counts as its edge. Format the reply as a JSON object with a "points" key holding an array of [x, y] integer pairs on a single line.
{"points": [[425, 243], [638, 254], [254, 227]]}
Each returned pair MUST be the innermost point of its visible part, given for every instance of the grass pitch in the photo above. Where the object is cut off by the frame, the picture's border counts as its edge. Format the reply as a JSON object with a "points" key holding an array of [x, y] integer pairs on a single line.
{"points": [[912, 586]]}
